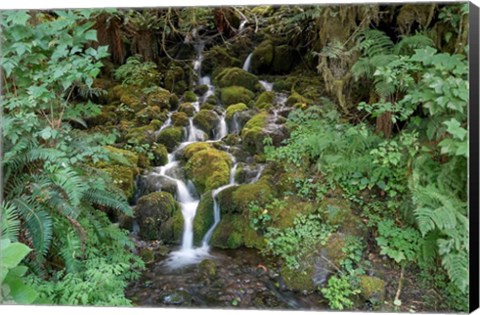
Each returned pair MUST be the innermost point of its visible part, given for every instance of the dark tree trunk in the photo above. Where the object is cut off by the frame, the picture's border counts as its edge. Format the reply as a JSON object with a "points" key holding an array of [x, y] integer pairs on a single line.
{"points": [[384, 124]]}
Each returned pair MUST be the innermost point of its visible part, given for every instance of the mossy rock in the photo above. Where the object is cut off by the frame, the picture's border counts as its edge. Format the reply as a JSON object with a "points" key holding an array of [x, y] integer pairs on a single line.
{"points": [[372, 289], [282, 86], [237, 199], [209, 169], [234, 231], [297, 100], [203, 217], [235, 94], [144, 134], [200, 90], [284, 215], [180, 119], [265, 100], [262, 57], [174, 102], [235, 108], [173, 75], [147, 255], [207, 106], [154, 214], [253, 133], [218, 57], [231, 139], [189, 96], [207, 121], [298, 280], [170, 137], [283, 59], [236, 77], [159, 97], [187, 108], [338, 211], [149, 113], [193, 148], [160, 155], [208, 268], [134, 100], [122, 168]]}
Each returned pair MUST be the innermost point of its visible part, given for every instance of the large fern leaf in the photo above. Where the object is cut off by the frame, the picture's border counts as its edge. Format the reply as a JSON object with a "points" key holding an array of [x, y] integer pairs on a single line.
{"points": [[107, 199], [10, 224], [38, 221], [374, 42], [456, 265], [71, 183]]}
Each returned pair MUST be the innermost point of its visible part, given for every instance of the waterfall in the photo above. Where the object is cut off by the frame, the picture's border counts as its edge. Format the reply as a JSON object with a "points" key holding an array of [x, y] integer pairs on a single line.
{"points": [[222, 129], [216, 207], [246, 65], [266, 85]]}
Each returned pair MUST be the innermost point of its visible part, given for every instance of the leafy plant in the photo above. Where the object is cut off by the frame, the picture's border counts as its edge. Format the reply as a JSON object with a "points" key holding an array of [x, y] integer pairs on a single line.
{"points": [[339, 292], [138, 73]]}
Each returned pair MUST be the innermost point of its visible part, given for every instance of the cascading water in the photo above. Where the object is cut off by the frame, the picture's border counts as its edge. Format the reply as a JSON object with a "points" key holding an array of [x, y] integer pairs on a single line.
{"points": [[266, 85], [246, 65]]}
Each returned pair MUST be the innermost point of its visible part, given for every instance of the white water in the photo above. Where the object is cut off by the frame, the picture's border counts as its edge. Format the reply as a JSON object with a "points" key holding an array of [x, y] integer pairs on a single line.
{"points": [[186, 197], [216, 207], [266, 85], [246, 65]]}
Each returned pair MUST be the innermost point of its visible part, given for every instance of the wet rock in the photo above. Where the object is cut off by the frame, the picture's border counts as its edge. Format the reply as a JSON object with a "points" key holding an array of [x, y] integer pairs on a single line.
{"points": [[262, 57], [207, 121], [157, 215], [160, 155], [235, 94], [150, 183], [372, 289], [236, 77], [187, 108], [283, 59], [179, 297], [170, 137], [180, 119], [203, 218], [208, 268]]}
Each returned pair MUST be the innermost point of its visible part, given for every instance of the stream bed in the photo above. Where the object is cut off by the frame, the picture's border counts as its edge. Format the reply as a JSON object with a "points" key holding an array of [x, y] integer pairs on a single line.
{"points": [[239, 278]]}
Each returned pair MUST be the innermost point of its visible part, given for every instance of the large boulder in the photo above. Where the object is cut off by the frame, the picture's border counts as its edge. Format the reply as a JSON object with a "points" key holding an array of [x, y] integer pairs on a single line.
{"points": [[160, 154], [141, 135], [234, 231], [218, 57], [208, 168], [236, 77], [149, 113], [253, 133], [147, 184], [159, 97], [207, 121], [372, 289], [265, 100], [170, 137], [203, 217], [283, 59], [235, 94], [262, 57], [187, 108], [159, 217]]}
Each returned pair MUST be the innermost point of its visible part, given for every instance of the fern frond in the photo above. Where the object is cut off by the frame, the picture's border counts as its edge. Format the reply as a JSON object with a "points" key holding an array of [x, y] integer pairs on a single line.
{"points": [[107, 199], [456, 265], [38, 221], [408, 44], [71, 250], [10, 224], [71, 183], [374, 42]]}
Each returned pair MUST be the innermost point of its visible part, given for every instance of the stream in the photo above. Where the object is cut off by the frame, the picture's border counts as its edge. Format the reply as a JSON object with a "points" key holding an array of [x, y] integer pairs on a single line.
{"points": [[190, 276]]}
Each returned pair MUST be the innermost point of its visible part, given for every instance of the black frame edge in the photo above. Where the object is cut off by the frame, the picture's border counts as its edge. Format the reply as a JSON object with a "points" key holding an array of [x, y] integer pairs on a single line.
{"points": [[473, 118]]}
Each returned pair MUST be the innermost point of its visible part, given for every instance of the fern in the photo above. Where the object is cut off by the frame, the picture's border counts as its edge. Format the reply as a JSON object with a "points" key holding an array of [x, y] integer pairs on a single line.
{"points": [[408, 44], [109, 200], [71, 183], [39, 224], [9, 222], [374, 42]]}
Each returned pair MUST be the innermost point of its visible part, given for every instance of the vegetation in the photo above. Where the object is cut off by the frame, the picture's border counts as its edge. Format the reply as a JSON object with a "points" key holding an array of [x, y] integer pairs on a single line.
{"points": [[360, 152]]}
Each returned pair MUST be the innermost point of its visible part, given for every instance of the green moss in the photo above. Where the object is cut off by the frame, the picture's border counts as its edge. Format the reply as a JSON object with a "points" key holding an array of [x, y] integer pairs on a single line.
{"points": [[207, 106], [154, 214], [338, 211], [187, 108], [159, 97], [201, 89], [236, 77], [160, 155], [149, 113], [143, 161], [298, 280], [203, 217], [142, 135], [218, 57], [252, 133], [296, 98], [235, 94], [133, 100], [284, 214], [193, 148], [179, 119], [372, 289], [170, 137], [265, 100], [232, 109], [173, 75], [207, 121], [208, 267], [189, 96], [262, 57], [283, 59], [209, 169], [234, 231], [173, 101]]}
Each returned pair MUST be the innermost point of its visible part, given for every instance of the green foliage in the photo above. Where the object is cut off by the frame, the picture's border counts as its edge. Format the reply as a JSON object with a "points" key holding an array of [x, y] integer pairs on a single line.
{"points": [[138, 73], [308, 230], [400, 244], [339, 292]]}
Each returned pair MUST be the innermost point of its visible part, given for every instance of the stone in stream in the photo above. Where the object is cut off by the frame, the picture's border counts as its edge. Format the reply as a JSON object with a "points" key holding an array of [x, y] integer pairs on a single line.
{"points": [[159, 217], [150, 183], [179, 297]]}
